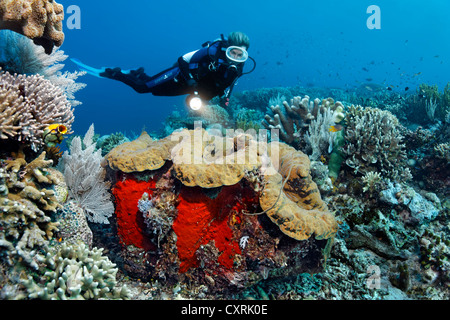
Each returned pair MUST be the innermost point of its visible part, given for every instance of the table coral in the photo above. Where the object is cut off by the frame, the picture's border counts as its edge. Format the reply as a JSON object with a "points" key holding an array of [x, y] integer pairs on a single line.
{"points": [[40, 20]]}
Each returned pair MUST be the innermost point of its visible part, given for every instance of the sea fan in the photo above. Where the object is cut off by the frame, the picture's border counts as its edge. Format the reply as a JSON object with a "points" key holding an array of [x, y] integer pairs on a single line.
{"points": [[85, 178]]}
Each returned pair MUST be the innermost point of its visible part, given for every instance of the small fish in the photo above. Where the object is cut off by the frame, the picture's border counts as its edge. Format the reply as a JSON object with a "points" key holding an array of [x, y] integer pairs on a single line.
{"points": [[54, 134], [389, 88], [60, 128], [368, 88], [417, 74], [365, 69], [335, 128], [407, 88]]}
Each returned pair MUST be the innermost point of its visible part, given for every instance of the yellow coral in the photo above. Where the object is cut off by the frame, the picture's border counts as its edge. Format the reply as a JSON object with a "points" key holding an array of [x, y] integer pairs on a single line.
{"points": [[212, 161], [299, 210], [141, 154]]}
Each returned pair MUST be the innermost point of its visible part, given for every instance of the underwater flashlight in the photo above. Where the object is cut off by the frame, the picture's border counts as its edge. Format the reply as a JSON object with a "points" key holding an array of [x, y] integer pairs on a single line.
{"points": [[194, 101]]}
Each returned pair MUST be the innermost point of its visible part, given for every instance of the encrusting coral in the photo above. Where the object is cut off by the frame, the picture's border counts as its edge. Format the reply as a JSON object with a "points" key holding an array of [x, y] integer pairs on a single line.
{"points": [[38, 20], [299, 210], [29, 104]]}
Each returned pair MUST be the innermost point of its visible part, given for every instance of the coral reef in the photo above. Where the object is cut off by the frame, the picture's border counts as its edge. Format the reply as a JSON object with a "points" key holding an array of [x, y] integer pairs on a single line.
{"points": [[188, 201], [38, 20], [85, 178], [28, 104], [19, 55]]}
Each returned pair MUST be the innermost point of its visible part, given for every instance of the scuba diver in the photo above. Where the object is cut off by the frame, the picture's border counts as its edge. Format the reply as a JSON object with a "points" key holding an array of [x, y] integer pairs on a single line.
{"points": [[203, 74]]}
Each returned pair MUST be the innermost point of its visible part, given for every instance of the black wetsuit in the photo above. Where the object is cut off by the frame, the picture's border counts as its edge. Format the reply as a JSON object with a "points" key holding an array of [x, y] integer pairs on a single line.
{"points": [[206, 71]]}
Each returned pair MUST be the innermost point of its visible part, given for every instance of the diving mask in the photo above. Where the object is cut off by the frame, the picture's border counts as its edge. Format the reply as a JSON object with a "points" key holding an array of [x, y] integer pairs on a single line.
{"points": [[236, 54]]}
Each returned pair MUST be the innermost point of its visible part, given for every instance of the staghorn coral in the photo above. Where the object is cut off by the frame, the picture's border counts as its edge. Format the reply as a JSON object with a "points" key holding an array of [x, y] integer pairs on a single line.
{"points": [[85, 178], [38, 20], [74, 272], [109, 142], [28, 104], [442, 151], [374, 143]]}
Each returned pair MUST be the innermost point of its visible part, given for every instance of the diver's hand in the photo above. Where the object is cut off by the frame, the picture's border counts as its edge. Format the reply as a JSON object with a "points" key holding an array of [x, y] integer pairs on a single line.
{"points": [[112, 73]]}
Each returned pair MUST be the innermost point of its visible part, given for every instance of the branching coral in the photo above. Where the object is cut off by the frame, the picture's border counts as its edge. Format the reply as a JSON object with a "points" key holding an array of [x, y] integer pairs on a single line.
{"points": [[294, 119], [19, 55], [374, 143], [85, 178], [290, 118], [27, 199], [28, 104], [38, 20], [74, 272], [320, 137]]}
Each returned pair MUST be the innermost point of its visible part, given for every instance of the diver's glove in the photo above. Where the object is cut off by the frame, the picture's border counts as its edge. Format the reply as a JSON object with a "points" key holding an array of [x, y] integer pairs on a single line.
{"points": [[137, 79], [112, 73]]}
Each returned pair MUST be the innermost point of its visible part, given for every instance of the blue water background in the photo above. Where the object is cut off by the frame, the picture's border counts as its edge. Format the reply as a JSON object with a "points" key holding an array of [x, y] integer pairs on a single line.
{"points": [[322, 43]]}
